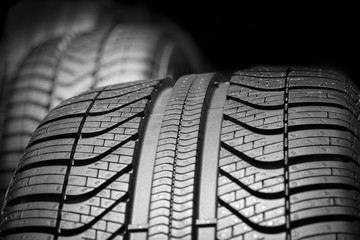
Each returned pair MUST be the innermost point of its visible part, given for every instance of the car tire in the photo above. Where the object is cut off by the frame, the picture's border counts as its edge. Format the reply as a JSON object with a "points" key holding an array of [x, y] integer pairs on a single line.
{"points": [[270, 153]]}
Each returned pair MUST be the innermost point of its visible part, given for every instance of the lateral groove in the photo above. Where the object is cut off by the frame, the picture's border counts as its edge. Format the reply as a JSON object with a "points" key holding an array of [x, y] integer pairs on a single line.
{"points": [[256, 163], [256, 227], [258, 194], [98, 133], [72, 232], [292, 128]]}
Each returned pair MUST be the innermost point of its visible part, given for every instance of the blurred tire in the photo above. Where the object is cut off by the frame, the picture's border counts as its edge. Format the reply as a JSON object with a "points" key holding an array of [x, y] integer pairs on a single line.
{"points": [[30, 23], [64, 67]]}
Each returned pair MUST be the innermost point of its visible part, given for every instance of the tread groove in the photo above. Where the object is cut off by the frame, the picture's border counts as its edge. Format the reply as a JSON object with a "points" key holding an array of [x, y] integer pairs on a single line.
{"points": [[295, 224], [172, 193], [292, 88], [286, 157], [71, 232], [206, 174], [97, 133], [257, 106], [291, 105], [259, 228], [83, 162], [71, 161], [91, 114], [145, 158], [257, 88], [258, 194], [254, 129], [256, 163], [291, 128]]}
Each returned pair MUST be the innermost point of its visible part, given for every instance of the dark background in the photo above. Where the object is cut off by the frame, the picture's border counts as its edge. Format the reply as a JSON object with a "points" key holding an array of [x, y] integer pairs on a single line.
{"points": [[238, 34]]}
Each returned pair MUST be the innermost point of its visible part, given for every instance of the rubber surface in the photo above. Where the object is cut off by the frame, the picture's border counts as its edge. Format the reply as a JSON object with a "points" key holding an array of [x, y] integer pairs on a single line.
{"points": [[272, 153], [62, 68]]}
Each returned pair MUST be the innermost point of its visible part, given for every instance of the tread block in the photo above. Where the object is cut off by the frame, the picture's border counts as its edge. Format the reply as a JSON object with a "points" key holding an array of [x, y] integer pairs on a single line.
{"points": [[316, 148]]}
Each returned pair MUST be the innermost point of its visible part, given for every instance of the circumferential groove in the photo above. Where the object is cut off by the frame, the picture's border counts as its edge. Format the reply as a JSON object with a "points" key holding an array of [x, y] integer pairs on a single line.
{"points": [[172, 193], [286, 157], [71, 161]]}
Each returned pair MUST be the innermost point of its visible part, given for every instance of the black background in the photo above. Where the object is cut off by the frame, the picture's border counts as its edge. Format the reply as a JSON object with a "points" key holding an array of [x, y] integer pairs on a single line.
{"points": [[238, 34]]}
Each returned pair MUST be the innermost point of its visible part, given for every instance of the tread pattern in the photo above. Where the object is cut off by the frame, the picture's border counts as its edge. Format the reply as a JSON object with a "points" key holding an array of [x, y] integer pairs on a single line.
{"points": [[63, 68], [284, 162], [289, 161], [172, 199], [75, 173]]}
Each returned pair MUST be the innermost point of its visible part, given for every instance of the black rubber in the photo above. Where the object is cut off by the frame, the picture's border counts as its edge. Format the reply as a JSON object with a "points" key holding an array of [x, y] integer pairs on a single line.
{"points": [[272, 153], [64, 67]]}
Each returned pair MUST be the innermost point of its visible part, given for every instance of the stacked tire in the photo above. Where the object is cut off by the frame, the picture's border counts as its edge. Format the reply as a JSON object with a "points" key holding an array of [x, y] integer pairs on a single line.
{"points": [[69, 61]]}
